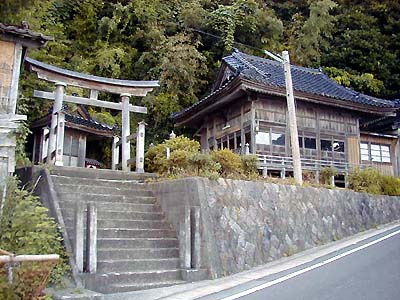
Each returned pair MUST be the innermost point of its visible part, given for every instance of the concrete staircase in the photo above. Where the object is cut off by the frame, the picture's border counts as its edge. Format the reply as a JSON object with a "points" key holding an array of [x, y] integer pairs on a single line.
{"points": [[136, 247]]}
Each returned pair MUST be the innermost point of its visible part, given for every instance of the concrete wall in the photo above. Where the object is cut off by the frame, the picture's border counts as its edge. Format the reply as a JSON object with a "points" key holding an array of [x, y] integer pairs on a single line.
{"points": [[245, 224]]}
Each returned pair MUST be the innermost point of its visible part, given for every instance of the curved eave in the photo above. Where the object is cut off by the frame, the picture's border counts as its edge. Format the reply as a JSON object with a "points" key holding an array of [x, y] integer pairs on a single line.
{"points": [[230, 93], [45, 121], [97, 132], [27, 38], [110, 85], [314, 98], [214, 101]]}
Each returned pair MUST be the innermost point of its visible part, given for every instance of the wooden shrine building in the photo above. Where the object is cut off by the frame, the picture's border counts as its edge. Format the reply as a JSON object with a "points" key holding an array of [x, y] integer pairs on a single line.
{"points": [[339, 127], [14, 42], [79, 129], [62, 139]]}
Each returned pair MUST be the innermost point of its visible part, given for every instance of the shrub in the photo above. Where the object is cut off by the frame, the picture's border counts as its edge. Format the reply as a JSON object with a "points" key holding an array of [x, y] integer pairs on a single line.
{"points": [[231, 163], [25, 228], [326, 175], [178, 162], [308, 176], [156, 157], [204, 165], [249, 164], [367, 181], [390, 185]]}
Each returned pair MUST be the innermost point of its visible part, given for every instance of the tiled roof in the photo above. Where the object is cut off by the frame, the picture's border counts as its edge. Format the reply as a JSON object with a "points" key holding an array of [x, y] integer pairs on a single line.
{"points": [[270, 73], [92, 123], [25, 33], [312, 81], [205, 99]]}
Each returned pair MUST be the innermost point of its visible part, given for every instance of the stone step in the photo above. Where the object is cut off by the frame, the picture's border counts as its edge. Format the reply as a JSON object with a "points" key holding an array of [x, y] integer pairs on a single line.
{"points": [[106, 279], [140, 253], [98, 182], [129, 243], [99, 173], [82, 197], [110, 206], [121, 215], [135, 233], [133, 224], [126, 265], [138, 190], [126, 287]]}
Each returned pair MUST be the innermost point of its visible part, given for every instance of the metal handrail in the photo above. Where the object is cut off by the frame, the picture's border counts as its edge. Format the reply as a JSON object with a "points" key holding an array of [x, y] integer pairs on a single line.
{"points": [[10, 260]]}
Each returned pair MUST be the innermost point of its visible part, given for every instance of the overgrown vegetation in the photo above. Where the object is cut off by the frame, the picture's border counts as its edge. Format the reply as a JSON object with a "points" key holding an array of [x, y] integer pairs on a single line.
{"points": [[327, 174], [181, 43], [186, 160], [371, 181], [25, 228]]}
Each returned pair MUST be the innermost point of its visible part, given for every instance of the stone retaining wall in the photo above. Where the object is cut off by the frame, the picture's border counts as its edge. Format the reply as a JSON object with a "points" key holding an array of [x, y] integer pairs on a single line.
{"points": [[245, 224]]}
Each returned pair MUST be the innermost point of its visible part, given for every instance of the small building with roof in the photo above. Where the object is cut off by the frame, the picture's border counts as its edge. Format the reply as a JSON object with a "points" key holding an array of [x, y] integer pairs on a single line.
{"points": [[80, 128], [338, 127]]}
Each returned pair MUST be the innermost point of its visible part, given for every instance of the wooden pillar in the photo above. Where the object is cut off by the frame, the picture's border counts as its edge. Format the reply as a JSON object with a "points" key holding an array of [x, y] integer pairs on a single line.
{"points": [[396, 157], [60, 139], [35, 145], [58, 102], [82, 151], [140, 147], [242, 135], [253, 129], [215, 135], [115, 153], [207, 145], [125, 143]]}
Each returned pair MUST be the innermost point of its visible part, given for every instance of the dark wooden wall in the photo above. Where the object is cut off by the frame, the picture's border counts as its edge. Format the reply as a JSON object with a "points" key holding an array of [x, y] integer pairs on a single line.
{"points": [[250, 118]]}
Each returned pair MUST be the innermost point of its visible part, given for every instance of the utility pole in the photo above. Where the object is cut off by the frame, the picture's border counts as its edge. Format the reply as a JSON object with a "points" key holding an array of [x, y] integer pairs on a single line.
{"points": [[294, 137]]}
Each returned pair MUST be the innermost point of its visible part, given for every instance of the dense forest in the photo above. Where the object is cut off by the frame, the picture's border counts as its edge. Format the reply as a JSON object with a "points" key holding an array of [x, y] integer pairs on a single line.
{"points": [[181, 43]]}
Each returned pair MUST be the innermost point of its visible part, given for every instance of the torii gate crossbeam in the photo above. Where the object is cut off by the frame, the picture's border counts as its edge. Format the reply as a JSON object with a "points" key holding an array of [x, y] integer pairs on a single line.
{"points": [[125, 88]]}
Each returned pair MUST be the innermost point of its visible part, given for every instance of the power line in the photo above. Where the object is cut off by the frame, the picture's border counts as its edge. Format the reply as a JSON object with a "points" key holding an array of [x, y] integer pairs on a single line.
{"points": [[218, 37]]}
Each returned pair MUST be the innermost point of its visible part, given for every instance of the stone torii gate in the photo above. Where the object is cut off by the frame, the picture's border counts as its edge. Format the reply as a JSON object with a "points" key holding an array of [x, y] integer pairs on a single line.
{"points": [[125, 88]]}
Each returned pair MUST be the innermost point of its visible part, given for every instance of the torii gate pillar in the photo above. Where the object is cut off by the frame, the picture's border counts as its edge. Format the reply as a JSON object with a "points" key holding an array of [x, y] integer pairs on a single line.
{"points": [[58, 102], [125, 141]]}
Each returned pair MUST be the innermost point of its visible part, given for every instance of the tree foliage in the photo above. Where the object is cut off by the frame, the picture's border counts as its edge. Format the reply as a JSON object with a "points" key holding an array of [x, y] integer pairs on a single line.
{"points": [[181, 43]]}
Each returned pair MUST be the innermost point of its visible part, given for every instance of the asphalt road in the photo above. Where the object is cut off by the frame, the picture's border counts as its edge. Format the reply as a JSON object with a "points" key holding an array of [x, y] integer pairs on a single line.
{"points": [[372, 273]]}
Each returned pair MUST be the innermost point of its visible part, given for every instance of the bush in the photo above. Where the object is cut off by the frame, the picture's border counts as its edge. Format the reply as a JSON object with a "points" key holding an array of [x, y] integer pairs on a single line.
{"points": [[367, 181], [186, 160], [231, 163], [25, 228], [390, 185], [204, 165], [249, 164], [178, 162], [326, 175], [156, 157], [308, 176]]}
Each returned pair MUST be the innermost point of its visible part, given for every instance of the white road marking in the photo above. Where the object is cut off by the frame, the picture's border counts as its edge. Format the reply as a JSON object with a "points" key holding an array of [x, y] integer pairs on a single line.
{"points": [[302, 271]]}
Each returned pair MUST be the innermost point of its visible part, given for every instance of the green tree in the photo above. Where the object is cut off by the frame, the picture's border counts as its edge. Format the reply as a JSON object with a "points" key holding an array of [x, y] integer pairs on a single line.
{"points": [[315, 32]]}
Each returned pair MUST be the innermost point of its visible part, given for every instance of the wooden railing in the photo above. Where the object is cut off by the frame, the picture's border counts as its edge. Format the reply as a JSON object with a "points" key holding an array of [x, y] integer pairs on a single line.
{"points": [[286, 163]]}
